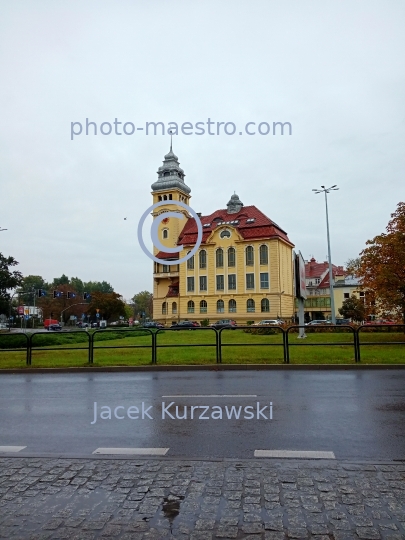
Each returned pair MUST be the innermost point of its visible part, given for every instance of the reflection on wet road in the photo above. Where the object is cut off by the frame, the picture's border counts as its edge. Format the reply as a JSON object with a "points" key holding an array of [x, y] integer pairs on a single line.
{"points": [[355, 414]]}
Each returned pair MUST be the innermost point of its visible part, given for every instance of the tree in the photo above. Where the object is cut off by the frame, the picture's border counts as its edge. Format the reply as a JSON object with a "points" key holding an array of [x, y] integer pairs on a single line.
{"points": [[143, 303], [382, 267], [100, 286], [353, 308], [62, 306], [8, 280], [29, 287], [352, 266], [63, 280], [110, 305]]}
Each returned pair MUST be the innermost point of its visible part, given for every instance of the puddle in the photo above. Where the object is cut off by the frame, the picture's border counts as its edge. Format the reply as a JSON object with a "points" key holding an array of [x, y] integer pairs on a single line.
{"points": [[171, 508]]}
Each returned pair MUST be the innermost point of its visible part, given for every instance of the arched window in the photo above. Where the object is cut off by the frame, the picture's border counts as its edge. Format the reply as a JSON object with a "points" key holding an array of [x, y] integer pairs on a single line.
{"points": [[170, 197], [220, 306], [164, 308], [249, 256], [165, 233], [203, 306], [190, 306], [174, 308], [160, 197], [232, 306], [231, 256], [265, 305], [190, 262], [219, 258], [264, 254], [250, 304], [203, 258], [165, 197]]}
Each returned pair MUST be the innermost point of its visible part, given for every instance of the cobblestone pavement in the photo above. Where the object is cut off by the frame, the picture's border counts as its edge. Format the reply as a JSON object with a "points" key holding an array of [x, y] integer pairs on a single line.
{"points": [[127, 499]]}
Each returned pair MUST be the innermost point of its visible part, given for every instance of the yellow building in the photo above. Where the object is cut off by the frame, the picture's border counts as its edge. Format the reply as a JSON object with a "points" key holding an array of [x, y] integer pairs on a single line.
{"points": [[241, 271]]}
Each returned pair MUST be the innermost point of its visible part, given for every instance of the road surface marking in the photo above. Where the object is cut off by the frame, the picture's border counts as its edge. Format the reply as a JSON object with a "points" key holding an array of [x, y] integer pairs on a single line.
{"points": [[12, 448], [306, 454], [133, 451], [212, 395]]}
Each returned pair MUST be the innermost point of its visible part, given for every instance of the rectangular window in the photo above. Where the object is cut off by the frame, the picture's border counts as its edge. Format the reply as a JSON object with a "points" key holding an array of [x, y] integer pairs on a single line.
{"points": [[231, 256], [203, 283], [232, 282], [220, 283], [264, 280], [190, 284], [250, 281], [165, 267], [346, 295]]}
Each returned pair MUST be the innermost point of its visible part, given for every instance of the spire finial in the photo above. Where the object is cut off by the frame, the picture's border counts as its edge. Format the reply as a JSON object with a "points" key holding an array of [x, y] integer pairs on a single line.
{"points": [[171, 140]]}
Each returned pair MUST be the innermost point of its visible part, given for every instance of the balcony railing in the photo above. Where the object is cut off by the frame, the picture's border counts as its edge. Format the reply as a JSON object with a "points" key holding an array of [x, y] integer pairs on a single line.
{"points": [[166, 274]]}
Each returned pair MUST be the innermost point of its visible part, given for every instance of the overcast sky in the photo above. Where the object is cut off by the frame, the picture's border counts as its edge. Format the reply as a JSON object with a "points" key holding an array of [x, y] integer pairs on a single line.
{"points": [[334, 70]]}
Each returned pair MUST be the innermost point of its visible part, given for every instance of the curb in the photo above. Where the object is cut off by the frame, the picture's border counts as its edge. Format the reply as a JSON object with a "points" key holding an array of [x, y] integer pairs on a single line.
{"points": [[317, 463], [215, 367]]}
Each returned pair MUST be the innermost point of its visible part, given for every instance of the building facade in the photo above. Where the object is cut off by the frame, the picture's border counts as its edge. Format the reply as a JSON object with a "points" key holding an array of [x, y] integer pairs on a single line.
{"points": [[241, 271]]}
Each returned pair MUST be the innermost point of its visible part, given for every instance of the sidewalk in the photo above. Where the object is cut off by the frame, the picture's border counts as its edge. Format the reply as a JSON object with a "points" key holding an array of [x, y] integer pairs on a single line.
{"points": [[140, 499]]}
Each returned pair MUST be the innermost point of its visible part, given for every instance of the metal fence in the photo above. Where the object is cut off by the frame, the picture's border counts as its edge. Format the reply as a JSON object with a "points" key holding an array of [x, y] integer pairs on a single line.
{"points": [[92, 341]]}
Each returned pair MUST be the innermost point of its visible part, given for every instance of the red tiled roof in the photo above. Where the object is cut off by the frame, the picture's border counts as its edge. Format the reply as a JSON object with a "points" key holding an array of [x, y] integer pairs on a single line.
{"points": [[164, 255], [173, 290], [314, 269], [261, 227], [336, 271]]}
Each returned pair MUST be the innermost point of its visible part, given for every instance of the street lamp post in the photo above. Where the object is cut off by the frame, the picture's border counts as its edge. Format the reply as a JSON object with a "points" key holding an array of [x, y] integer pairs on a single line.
{"points": [[332, 300]]}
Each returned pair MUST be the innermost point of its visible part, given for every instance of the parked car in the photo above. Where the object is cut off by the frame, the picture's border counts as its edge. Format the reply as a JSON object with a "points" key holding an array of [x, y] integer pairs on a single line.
{"points": [[152, 324], [224, 323], [269, 322], [342, 321], [183, 325], [318, 321], [54, 327]]}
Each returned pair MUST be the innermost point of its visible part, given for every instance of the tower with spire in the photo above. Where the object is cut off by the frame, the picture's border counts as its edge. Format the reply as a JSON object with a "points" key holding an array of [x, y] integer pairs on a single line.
{"points": [[170, 186]]}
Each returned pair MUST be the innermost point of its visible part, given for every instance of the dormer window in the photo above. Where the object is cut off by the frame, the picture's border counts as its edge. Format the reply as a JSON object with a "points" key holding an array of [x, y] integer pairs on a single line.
{"points": [[225, 234]]}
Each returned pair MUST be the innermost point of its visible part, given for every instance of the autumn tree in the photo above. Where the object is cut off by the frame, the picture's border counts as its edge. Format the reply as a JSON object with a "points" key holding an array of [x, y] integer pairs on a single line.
{"points": [[62, 306], [110, 305], [353, 308], [382, 267]]}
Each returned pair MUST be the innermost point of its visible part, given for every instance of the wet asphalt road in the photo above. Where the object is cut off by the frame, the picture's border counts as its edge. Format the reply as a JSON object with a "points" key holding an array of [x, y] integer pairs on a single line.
{"points": [[355, 414]]}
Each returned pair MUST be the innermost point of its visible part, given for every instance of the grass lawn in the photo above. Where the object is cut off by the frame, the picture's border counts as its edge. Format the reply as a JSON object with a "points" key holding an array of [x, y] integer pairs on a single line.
{"points": [[238, 347]]}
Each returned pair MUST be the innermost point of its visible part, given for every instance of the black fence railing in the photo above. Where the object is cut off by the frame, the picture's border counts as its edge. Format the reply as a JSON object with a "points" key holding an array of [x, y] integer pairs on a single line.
{"points": [[95, 341], [186, 332], [322, 328]]}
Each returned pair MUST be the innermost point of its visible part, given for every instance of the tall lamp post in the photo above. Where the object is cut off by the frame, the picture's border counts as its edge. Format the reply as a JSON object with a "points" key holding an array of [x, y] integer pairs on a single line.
{"points": [[332, 300]]}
